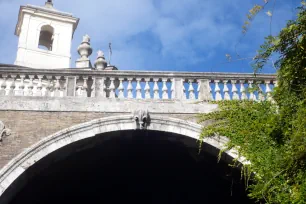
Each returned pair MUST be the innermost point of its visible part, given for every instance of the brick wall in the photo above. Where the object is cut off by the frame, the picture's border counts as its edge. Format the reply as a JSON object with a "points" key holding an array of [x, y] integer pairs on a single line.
{"points": [[29, 127]]}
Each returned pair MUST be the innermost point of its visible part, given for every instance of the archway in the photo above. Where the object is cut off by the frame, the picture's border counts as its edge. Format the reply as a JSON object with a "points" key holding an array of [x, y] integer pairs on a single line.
{"points": [[46, 37], [53, 153]]}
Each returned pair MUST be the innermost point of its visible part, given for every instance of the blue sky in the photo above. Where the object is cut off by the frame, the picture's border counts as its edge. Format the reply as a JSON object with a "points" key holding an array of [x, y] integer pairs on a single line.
{"points": [[161, 35]]}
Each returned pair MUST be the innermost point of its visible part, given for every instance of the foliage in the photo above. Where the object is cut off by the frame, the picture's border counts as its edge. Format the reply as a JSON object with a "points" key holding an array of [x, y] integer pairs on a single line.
{"points": [[272, 135]]}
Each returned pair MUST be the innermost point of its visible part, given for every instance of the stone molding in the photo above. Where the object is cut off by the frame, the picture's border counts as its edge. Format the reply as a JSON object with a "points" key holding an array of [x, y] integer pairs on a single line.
{"points": [[144, 74], [106, 105], [10, 172]]}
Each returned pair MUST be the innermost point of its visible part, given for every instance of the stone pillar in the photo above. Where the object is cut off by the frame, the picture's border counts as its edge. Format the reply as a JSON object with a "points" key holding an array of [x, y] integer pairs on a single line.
{"points": [[204, 90], [178, 93], [99, 87]]}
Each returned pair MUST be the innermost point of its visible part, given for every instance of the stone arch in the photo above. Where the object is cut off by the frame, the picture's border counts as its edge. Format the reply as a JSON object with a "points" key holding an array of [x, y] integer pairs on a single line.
{"points": [[46, 37], [30, 156]]}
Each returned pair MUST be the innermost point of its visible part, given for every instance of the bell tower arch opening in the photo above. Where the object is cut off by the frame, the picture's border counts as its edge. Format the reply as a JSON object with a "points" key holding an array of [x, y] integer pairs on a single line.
{"points": [[46, 37]]}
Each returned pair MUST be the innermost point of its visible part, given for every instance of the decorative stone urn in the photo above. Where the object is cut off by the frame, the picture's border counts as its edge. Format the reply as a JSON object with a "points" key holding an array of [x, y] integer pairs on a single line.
{"points": [[100, 62], [84, 51]]}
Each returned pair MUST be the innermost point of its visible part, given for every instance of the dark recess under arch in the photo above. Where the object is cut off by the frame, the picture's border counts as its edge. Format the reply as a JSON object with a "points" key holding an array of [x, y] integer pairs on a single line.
{"points": [[129, 167]]}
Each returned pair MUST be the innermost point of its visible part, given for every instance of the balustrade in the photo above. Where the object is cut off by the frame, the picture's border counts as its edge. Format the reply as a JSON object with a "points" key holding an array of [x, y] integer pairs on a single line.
{"points": [[136, 85]]}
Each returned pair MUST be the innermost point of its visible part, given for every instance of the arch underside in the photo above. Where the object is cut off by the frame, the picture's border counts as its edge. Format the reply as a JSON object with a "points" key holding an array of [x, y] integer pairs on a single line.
{"points": [[184, 131]]}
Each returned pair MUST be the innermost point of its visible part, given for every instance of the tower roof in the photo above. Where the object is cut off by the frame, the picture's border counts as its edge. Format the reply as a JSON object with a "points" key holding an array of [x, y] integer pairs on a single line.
{"points": [[48, 10]]}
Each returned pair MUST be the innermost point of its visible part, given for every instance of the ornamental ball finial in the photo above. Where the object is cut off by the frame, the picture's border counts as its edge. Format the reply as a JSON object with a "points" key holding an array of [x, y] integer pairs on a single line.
{"points": [[85, 49], [100, 62]]}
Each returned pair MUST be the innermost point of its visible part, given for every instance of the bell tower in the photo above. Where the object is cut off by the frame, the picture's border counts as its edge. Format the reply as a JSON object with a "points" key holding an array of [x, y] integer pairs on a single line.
{"points": [[45, 36]]}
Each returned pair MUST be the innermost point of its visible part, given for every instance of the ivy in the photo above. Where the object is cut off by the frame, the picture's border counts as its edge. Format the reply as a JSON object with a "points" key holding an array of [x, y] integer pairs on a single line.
{"points": [[272, 136]]}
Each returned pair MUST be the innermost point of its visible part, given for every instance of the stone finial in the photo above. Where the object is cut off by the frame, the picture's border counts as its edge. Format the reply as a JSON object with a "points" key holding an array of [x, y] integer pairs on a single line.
{"points": [[4, 132], [86, 38], [84, 51], [100, 62]]}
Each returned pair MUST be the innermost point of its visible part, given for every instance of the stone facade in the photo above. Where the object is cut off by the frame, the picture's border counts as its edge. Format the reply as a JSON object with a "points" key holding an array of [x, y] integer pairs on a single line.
{"points": [[30, 29]]}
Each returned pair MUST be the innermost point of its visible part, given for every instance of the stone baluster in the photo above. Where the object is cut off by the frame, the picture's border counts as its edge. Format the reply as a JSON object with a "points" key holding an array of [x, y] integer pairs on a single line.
{"points": [[165, 89], [156, 89], [84, 87], [191, 91], [199, 88], [30, 85], [46, 90], [138, 88], [261, 96], [3, 85], [104, 88], [121, 88], [64, 86], [11, 90], [251, 91], [130, 88], [147, 89], [112, 90], [268, 90], [172, 89], [39, 86], [234, 90], [57, 87], [184, 91], [211, 94], [20, 90], [79, 88], [226, 91], [51, 90], [217, 91], [93, 87], [243, 90]]}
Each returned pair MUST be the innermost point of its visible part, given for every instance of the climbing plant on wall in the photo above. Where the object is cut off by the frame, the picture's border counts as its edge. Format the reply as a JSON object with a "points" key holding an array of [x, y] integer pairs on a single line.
{"points": [[272, 134]]}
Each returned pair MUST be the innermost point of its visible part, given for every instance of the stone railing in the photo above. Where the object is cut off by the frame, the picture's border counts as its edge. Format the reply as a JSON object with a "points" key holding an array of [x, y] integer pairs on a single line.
{"points": [[135, 84]]}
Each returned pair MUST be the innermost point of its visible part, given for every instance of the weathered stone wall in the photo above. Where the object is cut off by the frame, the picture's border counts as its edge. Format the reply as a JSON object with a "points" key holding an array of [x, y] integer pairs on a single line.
{"points": [[29, 127], [32, 118]]}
